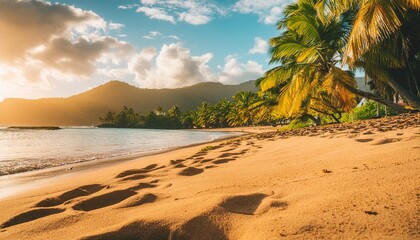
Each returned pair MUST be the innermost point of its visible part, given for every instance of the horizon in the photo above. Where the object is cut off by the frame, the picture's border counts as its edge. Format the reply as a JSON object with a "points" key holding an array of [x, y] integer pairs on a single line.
{"points": [[76, 45]]}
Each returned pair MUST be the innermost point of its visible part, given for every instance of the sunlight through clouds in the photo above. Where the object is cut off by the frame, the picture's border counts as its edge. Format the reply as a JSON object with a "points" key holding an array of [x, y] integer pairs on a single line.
{"points": [[65, 42]]}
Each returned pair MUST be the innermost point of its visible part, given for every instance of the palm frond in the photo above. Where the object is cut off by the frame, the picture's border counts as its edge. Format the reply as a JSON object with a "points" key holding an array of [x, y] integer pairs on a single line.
{"points": [[375, 21], [279, 75]]}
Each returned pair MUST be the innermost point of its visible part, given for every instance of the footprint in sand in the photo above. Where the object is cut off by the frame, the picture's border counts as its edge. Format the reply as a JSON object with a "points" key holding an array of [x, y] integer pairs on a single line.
{"points": [[150, 168], [387, 140], [206, 160], [135, 177], [140, 200], [200, 227], [175, 162], [104, 200], [199, 154], [363, 140], [210, 166], [109, 199], [223, 160], [78, 192], [137, 230], [30, 216], [190, 171], [243, 204]]}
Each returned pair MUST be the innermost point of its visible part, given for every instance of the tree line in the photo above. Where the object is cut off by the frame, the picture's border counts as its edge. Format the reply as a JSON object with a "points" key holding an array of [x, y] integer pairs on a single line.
{"points": [[243, 110]]}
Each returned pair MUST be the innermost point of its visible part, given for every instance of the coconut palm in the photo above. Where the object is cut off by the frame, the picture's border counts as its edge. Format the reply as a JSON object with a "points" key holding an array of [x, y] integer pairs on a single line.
{"points": [[242, 113], [204, 116], [308, 51], [220, 113], [384, 41]]}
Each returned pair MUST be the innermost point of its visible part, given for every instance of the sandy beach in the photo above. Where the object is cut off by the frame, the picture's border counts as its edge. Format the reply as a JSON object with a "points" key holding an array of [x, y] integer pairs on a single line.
{"points": [[351, 181]]}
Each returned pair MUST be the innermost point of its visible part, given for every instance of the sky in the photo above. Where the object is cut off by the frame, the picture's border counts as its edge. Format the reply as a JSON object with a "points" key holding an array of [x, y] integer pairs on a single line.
{"points": [[61, 48]]}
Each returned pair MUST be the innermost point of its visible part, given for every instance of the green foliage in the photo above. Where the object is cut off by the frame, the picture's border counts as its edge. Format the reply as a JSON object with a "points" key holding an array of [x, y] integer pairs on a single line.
{"points": [[298, 123], [306, 81], [242, 111], [206, 148], [369, 110]]}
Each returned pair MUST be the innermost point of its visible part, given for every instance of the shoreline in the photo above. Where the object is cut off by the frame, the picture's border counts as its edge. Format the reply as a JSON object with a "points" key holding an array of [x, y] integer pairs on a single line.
{"points": [[357, 180], [12, 184]]}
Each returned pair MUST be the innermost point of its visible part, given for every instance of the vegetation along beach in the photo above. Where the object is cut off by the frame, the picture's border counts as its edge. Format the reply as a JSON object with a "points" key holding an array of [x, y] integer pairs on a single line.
{"points": [[285, 119]]}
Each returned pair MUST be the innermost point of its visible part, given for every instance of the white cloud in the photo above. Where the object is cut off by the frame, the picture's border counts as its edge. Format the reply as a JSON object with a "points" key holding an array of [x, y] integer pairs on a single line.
{"points": [[156, 13], [194, 19], [274, 15], [115, 26], [174, 37], [43, 42], [152, 35], [260, 46], [128, 6], [156, 34], [172, 67], [268, 11], [194, 12], [234, 72], [114, 73]]}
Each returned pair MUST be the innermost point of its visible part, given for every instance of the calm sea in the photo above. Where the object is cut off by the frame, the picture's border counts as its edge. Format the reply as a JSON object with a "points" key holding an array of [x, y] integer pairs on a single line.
{"points": [[25, 150]]}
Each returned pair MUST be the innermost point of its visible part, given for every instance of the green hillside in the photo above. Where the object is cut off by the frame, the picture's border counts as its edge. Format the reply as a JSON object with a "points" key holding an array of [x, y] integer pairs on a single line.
{"points": [[85, 108]]}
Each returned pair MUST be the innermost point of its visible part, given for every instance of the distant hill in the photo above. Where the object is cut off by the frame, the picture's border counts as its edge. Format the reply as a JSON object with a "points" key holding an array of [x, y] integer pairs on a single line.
{"points": [[84, 109]]}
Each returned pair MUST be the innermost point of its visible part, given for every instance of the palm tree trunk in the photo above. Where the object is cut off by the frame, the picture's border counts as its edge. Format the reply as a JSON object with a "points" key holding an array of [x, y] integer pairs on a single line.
{"points": [[314, 119], [376, 98], [413, 100]]}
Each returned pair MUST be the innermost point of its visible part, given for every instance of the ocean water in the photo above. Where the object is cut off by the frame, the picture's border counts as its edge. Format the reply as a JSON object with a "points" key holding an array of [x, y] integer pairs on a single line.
{"points": [[25, 150]]}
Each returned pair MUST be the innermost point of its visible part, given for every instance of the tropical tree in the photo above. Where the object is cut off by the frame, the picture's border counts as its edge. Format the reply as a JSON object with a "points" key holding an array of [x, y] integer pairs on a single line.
{"points": [[385, 42], [242, 113], [308, 51], [204, 116], [174, 117], [108, 119], [188, 119], [220, 113]]}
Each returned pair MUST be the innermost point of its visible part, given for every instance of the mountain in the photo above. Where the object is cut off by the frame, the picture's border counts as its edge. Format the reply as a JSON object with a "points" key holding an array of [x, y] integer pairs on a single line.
{"points": [[85, 109]]}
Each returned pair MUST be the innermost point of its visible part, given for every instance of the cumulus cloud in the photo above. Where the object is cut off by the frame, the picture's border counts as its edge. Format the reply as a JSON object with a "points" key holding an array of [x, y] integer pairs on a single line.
{"points": [[268, 11], [42, 42], [173, 66], [235, 72], [195, 12], [28, 24], [260, 46]]}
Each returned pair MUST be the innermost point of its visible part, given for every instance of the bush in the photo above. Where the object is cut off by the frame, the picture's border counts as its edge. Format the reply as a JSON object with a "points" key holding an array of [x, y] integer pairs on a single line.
{"points": [[368, 111], [297, 123]]}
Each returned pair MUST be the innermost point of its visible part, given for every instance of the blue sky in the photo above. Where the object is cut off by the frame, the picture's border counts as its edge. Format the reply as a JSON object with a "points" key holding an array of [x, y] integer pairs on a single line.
{"points": [[66, 47]]}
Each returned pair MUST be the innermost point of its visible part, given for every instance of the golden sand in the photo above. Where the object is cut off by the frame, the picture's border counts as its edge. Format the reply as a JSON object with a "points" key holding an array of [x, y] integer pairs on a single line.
{"points": [[349, 181]]}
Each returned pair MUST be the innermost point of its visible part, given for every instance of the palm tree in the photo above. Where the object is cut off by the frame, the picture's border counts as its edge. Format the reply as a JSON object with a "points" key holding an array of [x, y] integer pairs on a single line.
{"points": [[384, 41], [242, 113], [204, 116], [221, 111], [308, 51], [173, 117]]}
